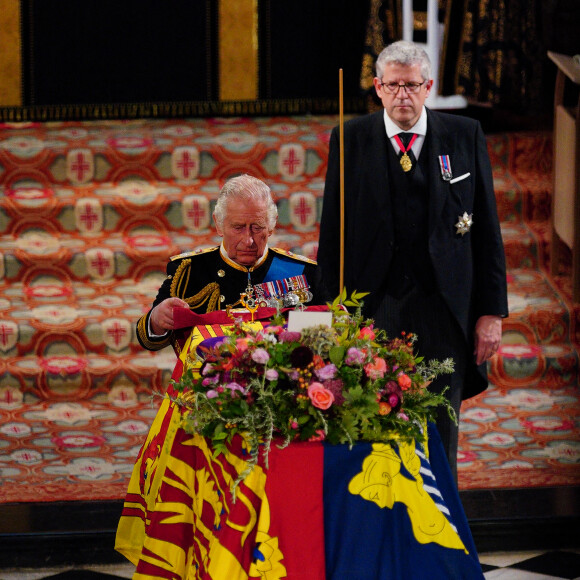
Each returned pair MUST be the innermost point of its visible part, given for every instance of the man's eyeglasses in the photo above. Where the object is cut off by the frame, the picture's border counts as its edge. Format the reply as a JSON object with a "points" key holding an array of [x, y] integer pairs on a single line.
{"points": [[410, 88]]}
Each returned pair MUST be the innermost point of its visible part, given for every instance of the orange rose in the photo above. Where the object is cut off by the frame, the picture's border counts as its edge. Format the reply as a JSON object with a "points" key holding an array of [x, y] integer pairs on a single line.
{"points": [[318, 361], [321, 398], [384, 408], [404, 381]]}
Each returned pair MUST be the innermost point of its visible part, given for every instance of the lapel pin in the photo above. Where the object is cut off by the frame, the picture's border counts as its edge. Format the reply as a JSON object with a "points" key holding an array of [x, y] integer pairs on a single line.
{"points": [[445, 165], [464, 224]]}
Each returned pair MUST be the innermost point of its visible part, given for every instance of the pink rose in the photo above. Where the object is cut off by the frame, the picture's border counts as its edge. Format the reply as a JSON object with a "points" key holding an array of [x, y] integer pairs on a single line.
{"points": [[321, 397], [242, 344], [376, 369], [235, 387], [288, 336], [318, 436], [354, 356], [261, 356], [327, 372], [367, 332]]}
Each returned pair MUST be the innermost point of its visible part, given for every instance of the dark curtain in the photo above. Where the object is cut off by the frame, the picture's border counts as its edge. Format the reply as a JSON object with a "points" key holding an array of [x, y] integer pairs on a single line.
{"points": [[502, 56], [384, 26], [494, 51], [118, 52]]}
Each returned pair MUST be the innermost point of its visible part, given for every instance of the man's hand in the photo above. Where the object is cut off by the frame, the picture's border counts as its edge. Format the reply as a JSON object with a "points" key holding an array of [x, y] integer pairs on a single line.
{"points": [[487, 337], [161, 318]]}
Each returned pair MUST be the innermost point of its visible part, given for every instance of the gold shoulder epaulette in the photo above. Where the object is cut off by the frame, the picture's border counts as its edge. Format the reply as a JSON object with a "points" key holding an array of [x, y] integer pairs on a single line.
{"points": [[194, 253], [293, 255]]}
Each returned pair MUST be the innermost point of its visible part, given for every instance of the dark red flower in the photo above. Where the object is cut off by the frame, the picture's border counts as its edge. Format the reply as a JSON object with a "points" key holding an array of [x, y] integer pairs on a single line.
{"points": [[335, 386], [301, 357], [394, 400]]}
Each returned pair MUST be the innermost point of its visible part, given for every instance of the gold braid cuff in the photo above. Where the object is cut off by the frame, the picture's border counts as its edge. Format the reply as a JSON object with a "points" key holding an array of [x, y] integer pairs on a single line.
{"points": [[147, 343]]}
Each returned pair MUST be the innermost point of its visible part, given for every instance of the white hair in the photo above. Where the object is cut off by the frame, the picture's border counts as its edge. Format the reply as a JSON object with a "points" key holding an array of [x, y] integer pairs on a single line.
{"points": [[404, 53], [245, 187]]}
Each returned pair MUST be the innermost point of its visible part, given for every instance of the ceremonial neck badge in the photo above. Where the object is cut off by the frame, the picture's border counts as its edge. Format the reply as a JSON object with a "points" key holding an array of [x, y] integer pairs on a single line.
{"points": [[464, 224], [405, 160], [445, 165]]}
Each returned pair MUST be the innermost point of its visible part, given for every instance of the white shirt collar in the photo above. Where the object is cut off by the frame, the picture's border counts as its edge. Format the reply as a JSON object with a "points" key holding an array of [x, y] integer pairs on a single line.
{"points": [[420, 127]]}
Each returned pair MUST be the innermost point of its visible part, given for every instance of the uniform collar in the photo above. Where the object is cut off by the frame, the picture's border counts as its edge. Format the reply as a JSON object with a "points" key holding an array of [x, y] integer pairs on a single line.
{"points": [[230, 262]]}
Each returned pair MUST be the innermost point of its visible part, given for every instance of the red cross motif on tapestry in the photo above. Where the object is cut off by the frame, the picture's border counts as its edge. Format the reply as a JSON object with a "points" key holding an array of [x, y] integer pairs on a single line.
{"points": [[100, 263], [122, 392], [80, 167], [116, 333], [185, 163], [8, 335], [291, 160], [196, 215], [88, 215], [302, 210], [10, 397]]}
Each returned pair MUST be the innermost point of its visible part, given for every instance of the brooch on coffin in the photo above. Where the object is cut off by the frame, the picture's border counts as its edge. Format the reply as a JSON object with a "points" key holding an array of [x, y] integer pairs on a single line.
{"points": [[464, 224], [248, 301]]}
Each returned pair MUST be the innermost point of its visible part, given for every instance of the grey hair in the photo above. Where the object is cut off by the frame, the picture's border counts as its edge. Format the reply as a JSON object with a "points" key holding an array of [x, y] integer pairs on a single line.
{"points": [[404, 53], [245, 187]]}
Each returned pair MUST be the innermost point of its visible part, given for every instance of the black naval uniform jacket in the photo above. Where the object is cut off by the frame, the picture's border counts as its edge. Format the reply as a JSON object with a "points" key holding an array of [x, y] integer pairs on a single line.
{"points": [[469, 268], [208, 281]]}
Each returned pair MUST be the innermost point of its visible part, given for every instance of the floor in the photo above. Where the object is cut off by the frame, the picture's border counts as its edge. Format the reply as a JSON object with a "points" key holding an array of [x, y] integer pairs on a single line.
{"points": [[537, 565]]}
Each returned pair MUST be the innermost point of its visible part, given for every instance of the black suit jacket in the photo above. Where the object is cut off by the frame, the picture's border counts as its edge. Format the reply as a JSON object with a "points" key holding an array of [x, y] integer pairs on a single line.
{"points": [[469, 268]]}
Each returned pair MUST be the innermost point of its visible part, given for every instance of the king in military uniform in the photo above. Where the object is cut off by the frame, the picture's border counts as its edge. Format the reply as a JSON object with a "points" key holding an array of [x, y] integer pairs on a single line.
{"points": [[242, 269]]}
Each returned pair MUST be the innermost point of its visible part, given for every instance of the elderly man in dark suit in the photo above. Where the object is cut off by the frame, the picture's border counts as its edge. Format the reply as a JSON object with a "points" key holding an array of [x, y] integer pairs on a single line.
{"points": [[421, 231]]}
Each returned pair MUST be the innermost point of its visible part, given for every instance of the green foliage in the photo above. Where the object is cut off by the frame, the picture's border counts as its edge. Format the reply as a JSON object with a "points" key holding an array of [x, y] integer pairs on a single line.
{"points": [[343, 384]]}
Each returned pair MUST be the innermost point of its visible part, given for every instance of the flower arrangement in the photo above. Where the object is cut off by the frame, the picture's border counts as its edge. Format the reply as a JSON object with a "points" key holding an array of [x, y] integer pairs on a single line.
{"points": [[343, 383]]}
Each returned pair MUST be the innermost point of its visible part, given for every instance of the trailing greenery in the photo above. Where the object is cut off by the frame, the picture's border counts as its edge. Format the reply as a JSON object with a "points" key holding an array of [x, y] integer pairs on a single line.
{"points": [[345, 383]]}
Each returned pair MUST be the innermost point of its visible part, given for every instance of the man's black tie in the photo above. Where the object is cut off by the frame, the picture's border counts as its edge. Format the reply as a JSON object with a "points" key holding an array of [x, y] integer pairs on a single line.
{"points": [[406, 138], [406, 157]]}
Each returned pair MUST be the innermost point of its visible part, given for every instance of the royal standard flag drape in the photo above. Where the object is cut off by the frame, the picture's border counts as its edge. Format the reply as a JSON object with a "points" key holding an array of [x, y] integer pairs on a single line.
{"points": [[311, 511], [317, 511]]}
